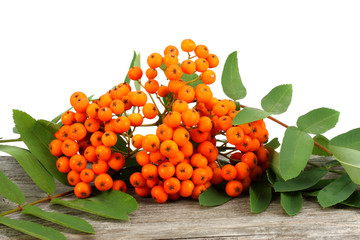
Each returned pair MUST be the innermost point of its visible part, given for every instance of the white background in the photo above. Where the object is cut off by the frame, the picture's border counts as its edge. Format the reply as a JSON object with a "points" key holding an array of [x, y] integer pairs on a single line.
{"points": [[50, 49]]}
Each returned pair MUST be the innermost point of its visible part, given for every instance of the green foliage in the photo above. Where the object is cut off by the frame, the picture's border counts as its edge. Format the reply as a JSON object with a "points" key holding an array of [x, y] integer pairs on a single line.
{"points": [[323, 141], [36, 171], [37, 139], [231, 80], [9, 190], [337, 191], [249, 114], [32, 229], [59, 218], [260, 196], [291, 202], [295, 152], [303, 181], [127, 79], [109, 204], [137, 64], [318, 120], [213, 197], [278, 99]]}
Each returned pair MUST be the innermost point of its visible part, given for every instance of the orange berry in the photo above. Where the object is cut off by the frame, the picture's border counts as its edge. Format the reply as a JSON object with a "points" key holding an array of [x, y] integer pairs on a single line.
{"points": [[181, 136], [173, 119], [186, 188], [228, 172], [116, 161], [135, 73], [245, 144], [187, 149], [178, 158], [188, 66], [109, 139], [77, 162], [201, 51], [142, 158], [197, 136], [136, 140], [234, 188], [203, 93], [96, 138], [208, 77], [73, 177], [68, 118], [180, 106], [164, 132], [263, 155], [242, 170], [119, 185], [220, 109], [190, 117], [205, 124], [151, 86], [154, 60], [250, 159], [186, 93], [198, 160], [62, 164], [166, 170], [92, 124], [206, 148], [117, 106], [158, 194], [217, 177], [171, 50], [80, 117], [172, 185], [198, 189], [82, 190], [100, 167], [55, 147], [156, 157], [69, 147], [151, 73], [149, 111], [225, 122], [139, 98], [90, 154], [75, 96], [144, 191], [234, 135], [149, 171], [136, 119], [173, 72], [188, 45], [256, 173], [150, 143], [201, 65], [175, 85], [122, 124], [169, 148], [87, 175], [81, 104], [104, 182], [213, 60], [170, 59], [163, 91], [137, 180], [199, 176]]}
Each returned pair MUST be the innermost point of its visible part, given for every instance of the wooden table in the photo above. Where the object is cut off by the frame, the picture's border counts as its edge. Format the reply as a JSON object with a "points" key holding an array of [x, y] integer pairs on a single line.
{"points": [[186, 219]]}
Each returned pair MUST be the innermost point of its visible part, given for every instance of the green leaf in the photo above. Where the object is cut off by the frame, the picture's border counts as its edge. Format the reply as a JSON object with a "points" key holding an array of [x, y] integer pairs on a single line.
{"points": [[305, 180], [278, 99], [346, 149], [353, 200], [121, 144], [213, 197], [274, 143], [318, 120], [260, 196], [271, 176], [189, 77], [320, 184], [291, 202], [137, 64], [109, 204], [59, 218], [295, 152], [231, 80], [32, 229], [337, 191], [37, 138], [249, 114], [127, 79], [275, 163], [50, 126], [323, 141], [9, 190], [36, 171]]}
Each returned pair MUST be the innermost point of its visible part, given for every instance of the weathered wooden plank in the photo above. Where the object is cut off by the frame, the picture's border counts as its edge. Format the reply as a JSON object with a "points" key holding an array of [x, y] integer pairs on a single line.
{"points": [[186, 219]]}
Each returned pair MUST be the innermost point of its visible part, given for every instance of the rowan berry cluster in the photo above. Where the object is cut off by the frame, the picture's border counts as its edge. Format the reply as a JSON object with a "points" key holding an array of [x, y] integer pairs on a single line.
{"points": [[180, 158]]}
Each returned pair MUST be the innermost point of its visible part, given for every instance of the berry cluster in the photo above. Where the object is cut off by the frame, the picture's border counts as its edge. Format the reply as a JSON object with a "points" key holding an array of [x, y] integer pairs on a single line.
{"points": [[181, 158]]}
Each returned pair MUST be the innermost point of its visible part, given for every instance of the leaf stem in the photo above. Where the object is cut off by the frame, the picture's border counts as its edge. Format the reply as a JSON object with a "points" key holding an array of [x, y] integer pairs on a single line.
{"points": [[10, 140]]}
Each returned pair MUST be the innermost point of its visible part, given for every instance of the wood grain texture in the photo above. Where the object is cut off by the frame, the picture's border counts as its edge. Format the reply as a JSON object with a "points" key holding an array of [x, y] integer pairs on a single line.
{"points": [[186, 219]]}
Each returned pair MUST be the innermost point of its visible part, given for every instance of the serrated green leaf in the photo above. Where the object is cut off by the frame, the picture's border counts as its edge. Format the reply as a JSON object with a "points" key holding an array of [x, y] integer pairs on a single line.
{"points": [[109, 204], [260, 196], [231, 80], [274, 143], [291, 202], [353, 200], [32, 229], [249, 114], [337, 191], [37, 138], [59, 218], [36, 171], [278, 99], [10, 190], [127, 79], [295, 152], [305, 180], [213, 197], [318, 120], [323, 141]]}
